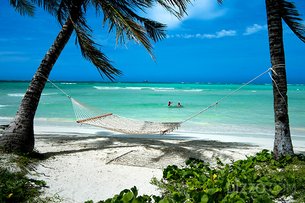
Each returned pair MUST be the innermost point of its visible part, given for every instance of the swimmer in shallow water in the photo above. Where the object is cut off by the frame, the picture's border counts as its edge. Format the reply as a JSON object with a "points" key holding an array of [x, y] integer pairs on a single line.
{"points": [[169, 104], [179, 105]]}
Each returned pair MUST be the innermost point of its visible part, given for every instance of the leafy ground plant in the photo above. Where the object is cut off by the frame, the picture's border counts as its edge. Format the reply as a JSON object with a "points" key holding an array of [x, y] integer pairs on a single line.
{"points": [[256, 179], [130, 196], [15, 186]]}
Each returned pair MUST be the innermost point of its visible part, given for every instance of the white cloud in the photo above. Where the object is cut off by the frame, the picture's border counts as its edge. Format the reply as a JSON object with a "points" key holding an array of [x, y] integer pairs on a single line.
{"points": [[202, 9], [205, 9], [158, 13], [222, 33], [254, 29]]}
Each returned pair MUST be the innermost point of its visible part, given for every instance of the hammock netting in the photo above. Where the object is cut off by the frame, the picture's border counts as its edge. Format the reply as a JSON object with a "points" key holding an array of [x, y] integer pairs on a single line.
{"points": [[89, 115]]}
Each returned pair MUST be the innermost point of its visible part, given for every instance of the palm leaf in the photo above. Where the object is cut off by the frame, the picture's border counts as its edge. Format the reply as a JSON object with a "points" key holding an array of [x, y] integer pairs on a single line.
{"points": [[155, 30], [292, 18], [62, 12], [91, 53], [121, 18], [169, 5], [48, 5], [24, 7]]}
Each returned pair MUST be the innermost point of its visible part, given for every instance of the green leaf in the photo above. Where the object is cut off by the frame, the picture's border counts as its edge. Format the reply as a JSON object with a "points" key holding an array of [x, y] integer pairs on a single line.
{"points": [[135, 191], [204, 199], [276, 190], [135, 201], [254, 176], [210, 191], [288, 157], [263, 179], [203, 177], [168, 175], [127, 197], [164, 201]]}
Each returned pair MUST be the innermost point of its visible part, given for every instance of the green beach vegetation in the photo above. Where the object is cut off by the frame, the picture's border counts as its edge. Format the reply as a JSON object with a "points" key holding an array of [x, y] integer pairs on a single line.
{"points": [[16, 178], [258, 178]]}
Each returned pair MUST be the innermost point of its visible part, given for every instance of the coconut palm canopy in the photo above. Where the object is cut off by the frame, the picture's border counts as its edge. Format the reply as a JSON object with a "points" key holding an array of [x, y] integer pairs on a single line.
{"points": [[120, 18]]}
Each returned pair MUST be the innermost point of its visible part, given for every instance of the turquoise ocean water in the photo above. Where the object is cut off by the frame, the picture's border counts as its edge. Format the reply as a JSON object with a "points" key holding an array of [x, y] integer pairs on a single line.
{"points": [[248, 112]]}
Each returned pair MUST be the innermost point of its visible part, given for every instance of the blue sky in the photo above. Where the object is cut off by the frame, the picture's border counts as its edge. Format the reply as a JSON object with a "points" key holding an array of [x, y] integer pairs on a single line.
{"points": [[217, 44]]}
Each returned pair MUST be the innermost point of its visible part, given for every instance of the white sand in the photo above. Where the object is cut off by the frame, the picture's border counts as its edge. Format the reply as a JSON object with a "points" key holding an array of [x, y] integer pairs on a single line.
{"points": [[97, 165], [87, 163]]}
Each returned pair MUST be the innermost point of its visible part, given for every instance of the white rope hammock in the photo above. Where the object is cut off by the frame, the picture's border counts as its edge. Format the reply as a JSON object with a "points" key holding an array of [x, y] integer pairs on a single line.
{"points": [[89, 115]]}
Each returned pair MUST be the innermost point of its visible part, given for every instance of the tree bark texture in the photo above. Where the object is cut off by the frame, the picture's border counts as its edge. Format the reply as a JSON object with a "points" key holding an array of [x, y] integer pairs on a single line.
{"points": [[282, 141], [19, 136]]}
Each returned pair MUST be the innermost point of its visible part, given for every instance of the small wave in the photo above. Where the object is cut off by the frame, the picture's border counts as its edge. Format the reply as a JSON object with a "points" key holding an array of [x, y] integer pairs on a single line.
{"points": [[166, 88], [16, 95], [134, 88], [3, 106], [106, 88], [68, 83], [46, 94], [6, 118], [163, 90], [22, 94]]}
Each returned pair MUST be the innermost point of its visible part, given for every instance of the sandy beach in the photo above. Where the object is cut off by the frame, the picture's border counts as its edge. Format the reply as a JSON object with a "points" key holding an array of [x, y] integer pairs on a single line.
{"points": [[90, 164]]}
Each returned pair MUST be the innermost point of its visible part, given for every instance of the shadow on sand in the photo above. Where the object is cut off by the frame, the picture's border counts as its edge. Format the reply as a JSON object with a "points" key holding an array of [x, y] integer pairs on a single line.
{"points": [[154, 151]]}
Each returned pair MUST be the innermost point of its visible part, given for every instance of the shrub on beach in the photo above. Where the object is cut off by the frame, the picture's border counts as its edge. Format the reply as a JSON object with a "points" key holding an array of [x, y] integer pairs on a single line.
{"points": [[258, 178], [15, 185]]}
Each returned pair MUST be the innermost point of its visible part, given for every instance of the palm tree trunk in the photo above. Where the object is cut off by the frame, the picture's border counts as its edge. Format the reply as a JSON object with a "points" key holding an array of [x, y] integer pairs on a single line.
{"points": [[282, 141], [19, 136]]}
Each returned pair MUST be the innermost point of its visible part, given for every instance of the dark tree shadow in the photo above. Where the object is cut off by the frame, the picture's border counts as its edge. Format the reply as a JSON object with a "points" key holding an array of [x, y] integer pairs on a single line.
{"points": [[167, 150]]}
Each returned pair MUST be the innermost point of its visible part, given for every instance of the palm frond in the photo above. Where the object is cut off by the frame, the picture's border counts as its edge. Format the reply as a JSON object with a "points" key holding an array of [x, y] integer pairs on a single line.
{"points": [[24, 7], [292, 18], [220, 2], [171, 5], [170, 9], [62, 12], [124, 22], [48, 5], [91, 53], [154, 29]]}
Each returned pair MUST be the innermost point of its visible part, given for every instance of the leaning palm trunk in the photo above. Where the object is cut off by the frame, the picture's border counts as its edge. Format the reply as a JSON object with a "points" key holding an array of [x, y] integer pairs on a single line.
{"points": [[19, 136], [282, 142]]}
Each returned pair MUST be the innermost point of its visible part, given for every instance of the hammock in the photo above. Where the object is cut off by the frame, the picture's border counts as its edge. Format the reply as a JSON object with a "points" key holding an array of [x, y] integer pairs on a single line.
{"points": [[89, 115]]}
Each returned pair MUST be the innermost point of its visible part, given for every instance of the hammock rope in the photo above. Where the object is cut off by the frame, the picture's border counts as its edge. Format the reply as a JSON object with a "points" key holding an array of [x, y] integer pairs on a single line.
{"points": [[226, 96], [89, 115]]}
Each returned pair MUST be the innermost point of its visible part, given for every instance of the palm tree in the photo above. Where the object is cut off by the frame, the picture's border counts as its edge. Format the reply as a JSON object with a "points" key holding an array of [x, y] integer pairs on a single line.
{"points": [[121, 17], [278, 10]]}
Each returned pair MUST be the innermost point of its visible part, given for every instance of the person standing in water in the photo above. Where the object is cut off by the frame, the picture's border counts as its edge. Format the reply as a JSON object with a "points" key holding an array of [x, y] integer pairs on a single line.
{"points": [[169, 104]]}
